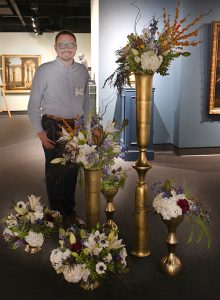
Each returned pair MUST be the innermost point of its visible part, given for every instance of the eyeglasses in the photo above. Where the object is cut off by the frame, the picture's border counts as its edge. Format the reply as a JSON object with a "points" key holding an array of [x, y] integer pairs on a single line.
{"points": [[67, 45]]}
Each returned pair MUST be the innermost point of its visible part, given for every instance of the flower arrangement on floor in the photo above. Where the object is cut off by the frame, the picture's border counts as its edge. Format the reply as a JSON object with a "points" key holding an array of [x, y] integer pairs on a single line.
{"points": [[32, 223], [113, 177], [91, 146], [172, 202], [152, 51], [88, 257]]}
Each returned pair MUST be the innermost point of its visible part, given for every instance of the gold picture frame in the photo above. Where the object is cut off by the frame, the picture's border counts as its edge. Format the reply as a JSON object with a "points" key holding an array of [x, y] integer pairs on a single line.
{"points": [[18, 72], [214, 95]]}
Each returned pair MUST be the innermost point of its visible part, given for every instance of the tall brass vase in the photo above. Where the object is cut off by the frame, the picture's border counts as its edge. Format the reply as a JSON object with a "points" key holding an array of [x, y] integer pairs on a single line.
{"points": [[92, 195], [171, 264], [143, 84], [109, 209]]}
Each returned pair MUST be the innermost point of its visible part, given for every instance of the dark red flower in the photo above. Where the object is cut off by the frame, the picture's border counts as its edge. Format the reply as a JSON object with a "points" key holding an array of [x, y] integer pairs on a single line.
{"points": [[183, 204], [49, 218], [76, 247]]}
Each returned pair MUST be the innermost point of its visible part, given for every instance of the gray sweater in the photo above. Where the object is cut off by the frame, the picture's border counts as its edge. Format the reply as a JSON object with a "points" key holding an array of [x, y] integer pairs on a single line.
{"points": [[59, 90]]}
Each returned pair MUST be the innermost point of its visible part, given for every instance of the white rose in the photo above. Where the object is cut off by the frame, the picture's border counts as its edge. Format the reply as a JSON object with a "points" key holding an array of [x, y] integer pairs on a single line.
{"points": [[150, 61]]}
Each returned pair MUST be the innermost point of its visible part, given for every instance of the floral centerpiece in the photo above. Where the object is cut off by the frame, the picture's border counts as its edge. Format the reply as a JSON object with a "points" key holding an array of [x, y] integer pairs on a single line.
{"points": [[152, 51], [172, 202], [91, 146], [88, 257], [113, 177], [30, 225]]}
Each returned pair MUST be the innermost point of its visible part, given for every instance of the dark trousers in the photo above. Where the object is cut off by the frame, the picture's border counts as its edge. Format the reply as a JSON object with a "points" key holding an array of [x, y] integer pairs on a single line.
{"points": [[60, 180]]}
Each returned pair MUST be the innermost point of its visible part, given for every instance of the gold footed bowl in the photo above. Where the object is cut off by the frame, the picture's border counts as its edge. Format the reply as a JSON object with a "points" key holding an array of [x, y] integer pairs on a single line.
{"points": [[170, 264], [32, 250], [90, 286]]}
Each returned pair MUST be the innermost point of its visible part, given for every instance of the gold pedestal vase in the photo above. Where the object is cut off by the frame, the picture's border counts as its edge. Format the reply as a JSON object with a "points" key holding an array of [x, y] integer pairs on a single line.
{"points": [[171, 264], [110, 210], [143, 84], [92, 195]]}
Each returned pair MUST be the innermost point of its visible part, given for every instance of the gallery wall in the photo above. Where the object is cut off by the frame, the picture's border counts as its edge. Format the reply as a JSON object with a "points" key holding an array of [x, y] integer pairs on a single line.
{"points": [[181, 99], [29, 43]]}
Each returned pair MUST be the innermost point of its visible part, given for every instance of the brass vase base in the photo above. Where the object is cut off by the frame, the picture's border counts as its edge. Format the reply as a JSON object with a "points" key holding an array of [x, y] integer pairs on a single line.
{"points": [[110, 224], [88, 286], [140, 253], [170, 264], [32, 250]]}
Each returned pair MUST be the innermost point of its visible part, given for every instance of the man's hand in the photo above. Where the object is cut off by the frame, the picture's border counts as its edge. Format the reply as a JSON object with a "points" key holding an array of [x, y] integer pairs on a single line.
{"points": [[47, 143]]}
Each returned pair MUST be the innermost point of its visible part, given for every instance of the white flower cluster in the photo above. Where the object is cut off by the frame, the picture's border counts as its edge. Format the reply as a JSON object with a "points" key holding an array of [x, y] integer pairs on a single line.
{"points": [[95, 260], [83, 148], [168, 207], [34, 239], [19, 227]]}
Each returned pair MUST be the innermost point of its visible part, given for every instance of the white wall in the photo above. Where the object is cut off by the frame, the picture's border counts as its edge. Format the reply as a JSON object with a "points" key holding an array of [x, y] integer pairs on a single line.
{"points": [[95, 45], [27, 43]]}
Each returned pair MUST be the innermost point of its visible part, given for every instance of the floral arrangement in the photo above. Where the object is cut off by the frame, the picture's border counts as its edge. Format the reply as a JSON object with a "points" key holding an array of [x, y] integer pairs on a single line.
{"points": [[87, 257], [32, 223], [171, 202], [91, 146], [113, 177], [152, 51]]}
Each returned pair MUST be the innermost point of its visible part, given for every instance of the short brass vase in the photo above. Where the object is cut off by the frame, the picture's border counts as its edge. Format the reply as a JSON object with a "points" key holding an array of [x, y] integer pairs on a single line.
{"points": [[171, 264], [32, 250], [110, 210], [143, 85], [92, 195]]}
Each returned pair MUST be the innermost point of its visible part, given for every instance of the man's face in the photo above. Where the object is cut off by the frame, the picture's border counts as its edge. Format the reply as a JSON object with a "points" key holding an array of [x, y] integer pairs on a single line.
{"points": [[65, 47]]}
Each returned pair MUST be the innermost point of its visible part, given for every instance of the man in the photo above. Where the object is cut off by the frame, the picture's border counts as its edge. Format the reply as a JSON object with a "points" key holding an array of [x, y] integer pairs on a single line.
{"points": [[60, 91]]}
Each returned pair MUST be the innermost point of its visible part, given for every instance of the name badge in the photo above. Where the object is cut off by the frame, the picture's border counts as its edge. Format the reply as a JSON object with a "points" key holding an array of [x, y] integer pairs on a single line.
{"points": [[79, 91]]}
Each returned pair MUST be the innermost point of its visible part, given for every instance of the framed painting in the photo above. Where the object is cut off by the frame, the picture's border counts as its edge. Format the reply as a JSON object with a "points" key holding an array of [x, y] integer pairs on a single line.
{"points": [[214, 95], [18, 72]]}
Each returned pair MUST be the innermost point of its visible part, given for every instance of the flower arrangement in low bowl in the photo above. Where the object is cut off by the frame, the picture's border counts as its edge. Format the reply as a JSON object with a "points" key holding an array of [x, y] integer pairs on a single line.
{"points": [[31, 224], [113, 177], [152, 51], [87, 257], [91, 146], [172, 202]]}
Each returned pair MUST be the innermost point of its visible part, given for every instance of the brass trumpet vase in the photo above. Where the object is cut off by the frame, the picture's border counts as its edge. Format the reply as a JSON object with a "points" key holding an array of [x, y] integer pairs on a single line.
{"points": [[170, 264], [143, 85], [110, 210], [92, 196]]}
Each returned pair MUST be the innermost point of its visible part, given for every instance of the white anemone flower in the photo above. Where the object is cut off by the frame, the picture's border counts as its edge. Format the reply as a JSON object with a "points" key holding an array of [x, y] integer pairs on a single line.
{"points": [[21, 208], [100, 268]]}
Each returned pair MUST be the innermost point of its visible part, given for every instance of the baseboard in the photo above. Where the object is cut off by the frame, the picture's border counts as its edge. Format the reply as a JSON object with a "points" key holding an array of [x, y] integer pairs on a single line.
{"points": [[186, 151], [17, 112]]}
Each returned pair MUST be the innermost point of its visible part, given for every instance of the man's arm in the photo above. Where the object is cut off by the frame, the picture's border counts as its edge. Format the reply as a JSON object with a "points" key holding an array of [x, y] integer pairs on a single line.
{"points": [[34, 107]]}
